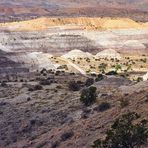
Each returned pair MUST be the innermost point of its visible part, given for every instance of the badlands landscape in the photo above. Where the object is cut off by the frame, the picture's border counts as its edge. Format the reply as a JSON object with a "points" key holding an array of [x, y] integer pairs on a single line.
{"points": [[73, 75], [12, 10]]}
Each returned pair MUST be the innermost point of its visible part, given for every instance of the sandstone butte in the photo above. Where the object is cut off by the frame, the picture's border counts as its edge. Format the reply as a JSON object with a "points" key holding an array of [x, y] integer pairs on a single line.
{"points": [[84, 22]]}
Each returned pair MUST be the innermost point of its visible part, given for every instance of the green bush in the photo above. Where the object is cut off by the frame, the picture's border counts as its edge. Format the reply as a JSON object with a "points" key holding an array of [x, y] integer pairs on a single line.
{"points": [[88, 96], [124, 133]]}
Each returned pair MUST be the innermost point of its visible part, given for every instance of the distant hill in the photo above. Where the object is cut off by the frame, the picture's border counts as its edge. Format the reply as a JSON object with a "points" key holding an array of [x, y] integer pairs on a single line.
{"points": [[11, 10]]}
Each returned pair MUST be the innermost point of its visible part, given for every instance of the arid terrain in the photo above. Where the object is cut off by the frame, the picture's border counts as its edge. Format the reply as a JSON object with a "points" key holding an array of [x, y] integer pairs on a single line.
{"points": [[53, 51], [42, 117], [12, 10], [32, 45]]}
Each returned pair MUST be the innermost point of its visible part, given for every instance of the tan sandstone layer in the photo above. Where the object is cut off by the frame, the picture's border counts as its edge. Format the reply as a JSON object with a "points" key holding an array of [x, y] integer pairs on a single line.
{"points": [[85, 22]]}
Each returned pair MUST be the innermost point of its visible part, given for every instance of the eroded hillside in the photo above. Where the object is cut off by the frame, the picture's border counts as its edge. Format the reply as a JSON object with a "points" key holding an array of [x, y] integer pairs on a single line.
{"points": [[69, 69], [37, 114], [28, 45]]}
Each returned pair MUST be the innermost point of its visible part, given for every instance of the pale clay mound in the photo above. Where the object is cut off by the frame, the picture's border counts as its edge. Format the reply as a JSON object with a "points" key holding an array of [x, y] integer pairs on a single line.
{"points": [[74, 54], [108, 53], [87, 23]]}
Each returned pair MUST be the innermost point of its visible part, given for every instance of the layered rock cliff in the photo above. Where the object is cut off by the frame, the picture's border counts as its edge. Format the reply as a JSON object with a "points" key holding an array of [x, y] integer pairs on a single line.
{"points": [[46, 36]]}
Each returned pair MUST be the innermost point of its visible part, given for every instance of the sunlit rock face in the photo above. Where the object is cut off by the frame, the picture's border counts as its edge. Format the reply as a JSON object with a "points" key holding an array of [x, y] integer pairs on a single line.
{"points": [[28, 45]]}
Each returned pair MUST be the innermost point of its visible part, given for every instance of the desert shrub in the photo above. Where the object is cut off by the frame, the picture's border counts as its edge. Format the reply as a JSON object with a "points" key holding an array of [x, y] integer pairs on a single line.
{"points": [[89, 82], [139, 79], [85, 113], [88, 71], [63, 67], [143, 60], [30, 89], [35, 87], [55, 90], [59, 87], [146, 98], [67, 135], [45, 82], [73, 86], [36, 121], [124, 133], [87, 60], [43, 71], [3, 84], [72, 73], [28, 99], [80, 82], [38, 87], [102, 67], [88, 95], [124, 103], [21, 80], [49, 71], [93, 74], [44, 74], [99, 78], [55, 144], [104, 106], [57, 72], [117, 67], [112, 73]]}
